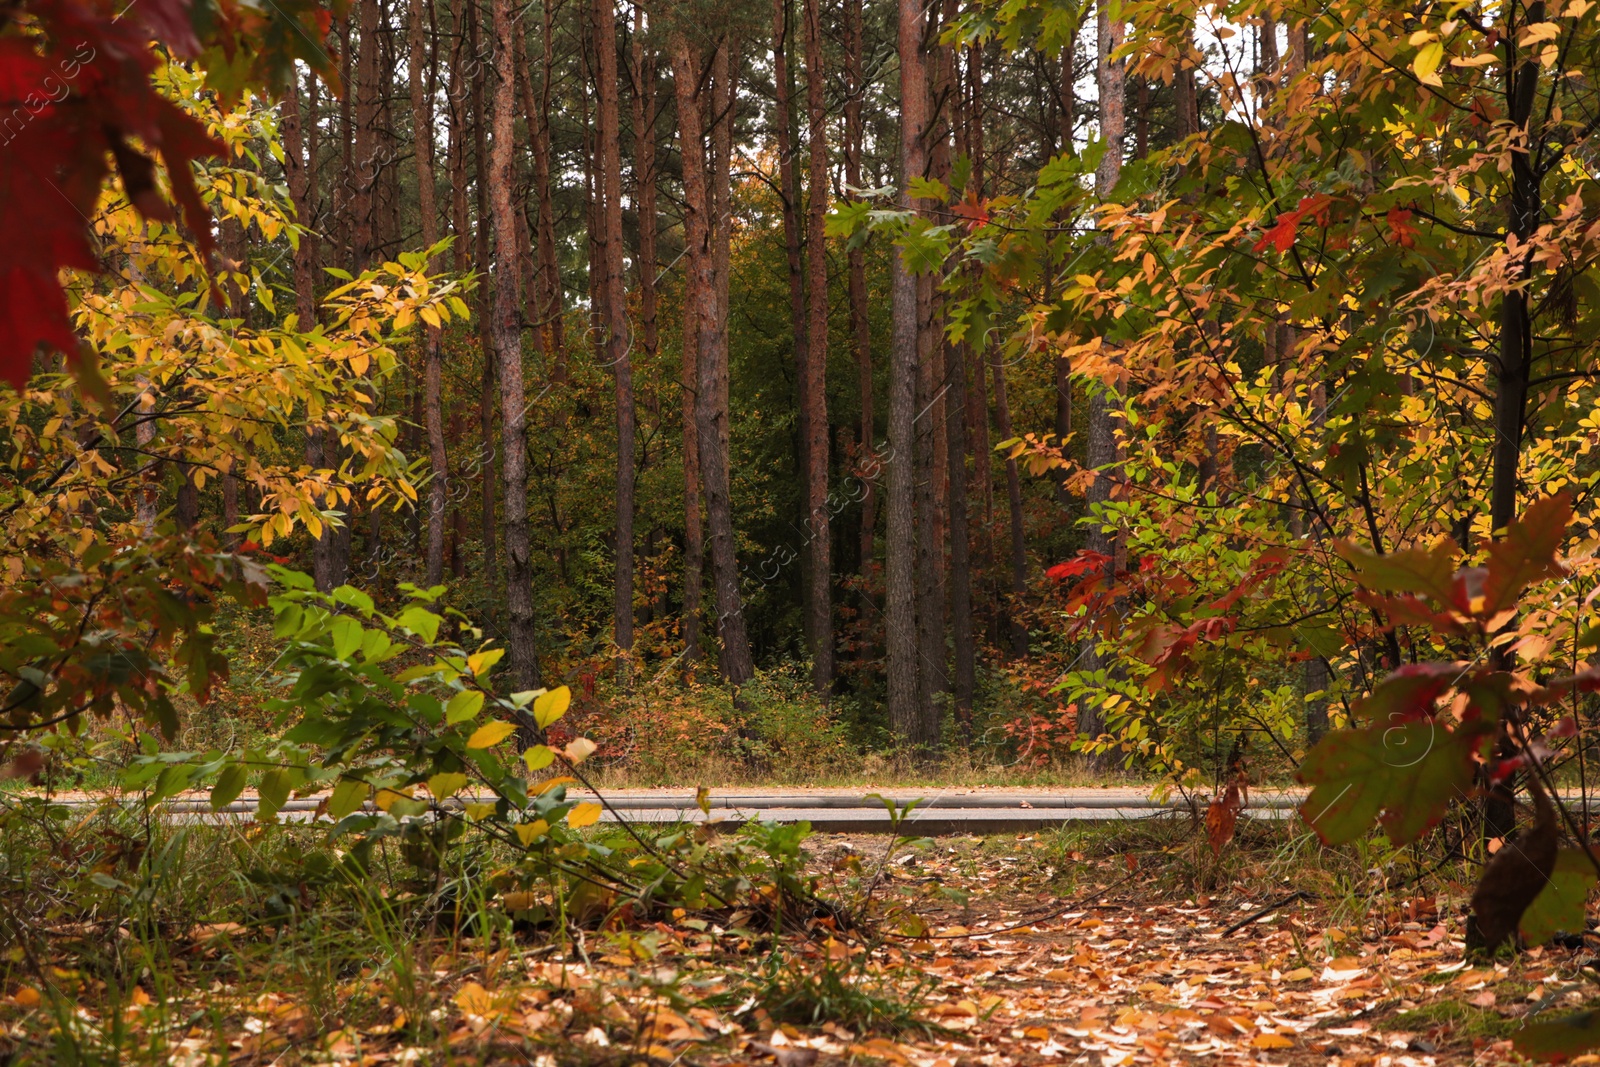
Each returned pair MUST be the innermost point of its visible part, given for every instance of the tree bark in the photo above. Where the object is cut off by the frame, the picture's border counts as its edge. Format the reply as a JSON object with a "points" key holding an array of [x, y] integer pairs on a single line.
{"points": [[478, 64], [915, 726], [522, 630], [432, 375], [1100, 444], [707, 227], [617, 342], [860, 324], [819, 605]]}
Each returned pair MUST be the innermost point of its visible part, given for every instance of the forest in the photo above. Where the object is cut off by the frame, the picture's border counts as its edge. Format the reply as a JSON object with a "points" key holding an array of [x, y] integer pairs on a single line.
{"points": [[430, 430]]}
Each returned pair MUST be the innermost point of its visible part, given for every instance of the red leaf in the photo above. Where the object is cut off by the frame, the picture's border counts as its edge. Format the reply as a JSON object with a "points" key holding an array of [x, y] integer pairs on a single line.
{"points": [[1083, 563], [1222, 817], [1400, 226], [1526, 552], [1409, 693]]}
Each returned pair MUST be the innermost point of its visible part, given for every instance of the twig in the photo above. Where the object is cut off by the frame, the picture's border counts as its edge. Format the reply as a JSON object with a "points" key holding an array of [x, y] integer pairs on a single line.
{"points": [[1298, 894]]}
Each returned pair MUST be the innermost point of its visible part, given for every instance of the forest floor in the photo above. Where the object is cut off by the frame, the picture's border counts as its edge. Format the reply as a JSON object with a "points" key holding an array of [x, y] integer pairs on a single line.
{"points": [[1089, 946]]}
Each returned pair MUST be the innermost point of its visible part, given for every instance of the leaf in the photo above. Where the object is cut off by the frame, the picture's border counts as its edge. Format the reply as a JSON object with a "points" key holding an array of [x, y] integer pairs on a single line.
{"points": [[1562, 905], [1411, 570], [1408, 773], [549, 707], [274, 792], [422, 622], [1222, 816], [579, 749], [702, 799], [538, 757], [463, 706], [1427, 60], [1559, 1039], [490, 734], [1526, 552], [529, 832], [347, 636], [447, 784], [230, 783], [585, 814], [348, 796], [1408, 693], [480, 663]]}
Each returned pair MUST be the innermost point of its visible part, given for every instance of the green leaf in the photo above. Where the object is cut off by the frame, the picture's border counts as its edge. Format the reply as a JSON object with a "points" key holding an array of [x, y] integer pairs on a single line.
{"points": [[1561, 906], [928, 189], [230, 783], [1408, 773], [347, 797], [274, 792], [538, 757], [347, 636], [463, 706], [422, 622], [1559, 1039]]}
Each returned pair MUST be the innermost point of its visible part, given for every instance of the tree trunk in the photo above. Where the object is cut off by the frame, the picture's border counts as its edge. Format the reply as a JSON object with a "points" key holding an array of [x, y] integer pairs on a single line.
{"points": [[819, 606], [478, 63], [432, 375], [707, 229], [552, 310], [617, 342], [367, 157], [913, 724], [645, 177], [521, 627], [960, 544], [860, 324], [1100, 446]]}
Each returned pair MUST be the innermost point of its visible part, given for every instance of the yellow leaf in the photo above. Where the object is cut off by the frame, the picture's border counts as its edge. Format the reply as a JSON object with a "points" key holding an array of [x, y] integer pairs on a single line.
{"points": [[529, 832], [1429, 56], [585, 814], [474, 999], [479, 662], [538, 757], [551, 706], [476, 811], [386, 797], [446, 784], [490, 734], [1271, 1041], [550, 783], [580, 749]]}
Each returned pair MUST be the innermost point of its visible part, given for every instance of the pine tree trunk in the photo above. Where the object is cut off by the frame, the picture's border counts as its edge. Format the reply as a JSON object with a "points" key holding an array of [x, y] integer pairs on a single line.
{"points": [[707, 234], [1100, 444], [617, 341], [913, 724], [432, 375], [478, 64], [522, 630], [860, 324], [819, 606], [367, 158]]}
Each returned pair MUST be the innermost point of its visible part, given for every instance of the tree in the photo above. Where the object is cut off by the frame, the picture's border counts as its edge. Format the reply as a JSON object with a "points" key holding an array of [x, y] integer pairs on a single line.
{"points": [[618, 339], [705, 200], [422, 94], [814, 409], [522, 624], [912, 720]]}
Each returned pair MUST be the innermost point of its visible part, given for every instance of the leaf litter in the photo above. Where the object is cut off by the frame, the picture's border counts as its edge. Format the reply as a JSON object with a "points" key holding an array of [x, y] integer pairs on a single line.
{"points": [[1014, 952]]}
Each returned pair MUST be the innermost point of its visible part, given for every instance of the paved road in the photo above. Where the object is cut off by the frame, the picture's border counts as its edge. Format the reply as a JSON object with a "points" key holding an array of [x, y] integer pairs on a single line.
{"points": [[940, 811]]}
